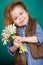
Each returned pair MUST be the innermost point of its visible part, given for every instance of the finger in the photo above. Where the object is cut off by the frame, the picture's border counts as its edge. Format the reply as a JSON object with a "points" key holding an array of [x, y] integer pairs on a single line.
{"points": [[13, 37], [17, 41], [17, 44]]}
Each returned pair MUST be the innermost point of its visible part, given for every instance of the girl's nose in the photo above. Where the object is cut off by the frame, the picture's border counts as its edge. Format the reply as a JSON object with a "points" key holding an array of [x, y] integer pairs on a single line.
{"points": [[19, 17]]}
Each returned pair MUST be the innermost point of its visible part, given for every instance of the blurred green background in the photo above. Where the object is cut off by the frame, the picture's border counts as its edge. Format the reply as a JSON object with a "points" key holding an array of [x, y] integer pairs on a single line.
{"points": [[35, 8]]}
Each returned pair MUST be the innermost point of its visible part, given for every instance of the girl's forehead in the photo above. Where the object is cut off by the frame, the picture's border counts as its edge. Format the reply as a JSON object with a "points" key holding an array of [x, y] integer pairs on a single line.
{"points": [[17, 10]]}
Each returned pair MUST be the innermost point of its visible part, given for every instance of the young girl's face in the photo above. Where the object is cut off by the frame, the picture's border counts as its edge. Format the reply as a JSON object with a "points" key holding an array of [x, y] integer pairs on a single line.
{"points": [[20, 16]]}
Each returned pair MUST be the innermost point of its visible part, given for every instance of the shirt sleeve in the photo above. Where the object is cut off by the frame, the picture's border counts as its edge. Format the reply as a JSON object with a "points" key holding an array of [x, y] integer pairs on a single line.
{"points": [[39, 34], [8, 47]]}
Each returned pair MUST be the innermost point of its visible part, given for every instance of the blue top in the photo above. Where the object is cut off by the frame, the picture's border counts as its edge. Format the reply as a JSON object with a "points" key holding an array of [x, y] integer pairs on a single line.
{"points": [[39, 35]]}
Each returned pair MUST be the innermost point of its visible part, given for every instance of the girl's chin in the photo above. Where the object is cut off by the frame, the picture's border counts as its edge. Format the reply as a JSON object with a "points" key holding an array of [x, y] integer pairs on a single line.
{"points": [[22, 25]]}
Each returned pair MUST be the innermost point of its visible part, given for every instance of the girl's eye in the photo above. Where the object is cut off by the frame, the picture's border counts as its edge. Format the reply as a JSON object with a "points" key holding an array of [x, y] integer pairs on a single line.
{"points": [[15, 19], [21, 13]]}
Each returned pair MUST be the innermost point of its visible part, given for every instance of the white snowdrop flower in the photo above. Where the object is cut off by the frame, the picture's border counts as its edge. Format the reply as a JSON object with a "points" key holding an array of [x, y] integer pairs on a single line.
{"points": [[5, 35], [14, 28], [10, 29], [7, 32], [5, 42]]}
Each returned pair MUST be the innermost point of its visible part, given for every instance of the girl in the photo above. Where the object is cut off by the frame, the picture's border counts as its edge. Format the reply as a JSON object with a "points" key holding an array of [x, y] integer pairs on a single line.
{"points": [[17, 13]]}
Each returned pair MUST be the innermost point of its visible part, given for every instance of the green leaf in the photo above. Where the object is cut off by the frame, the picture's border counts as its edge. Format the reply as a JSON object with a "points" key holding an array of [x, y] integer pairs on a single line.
{"points": [[14, 34]]}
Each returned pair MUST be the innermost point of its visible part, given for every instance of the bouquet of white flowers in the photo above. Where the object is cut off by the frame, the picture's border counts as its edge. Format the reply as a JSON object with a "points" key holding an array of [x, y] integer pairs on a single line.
{"points": [[7, 34]]}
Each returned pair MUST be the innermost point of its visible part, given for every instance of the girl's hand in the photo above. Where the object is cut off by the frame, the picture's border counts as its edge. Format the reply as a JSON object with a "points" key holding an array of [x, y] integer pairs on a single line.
{"points": [[16, 43], [18, 38]]}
